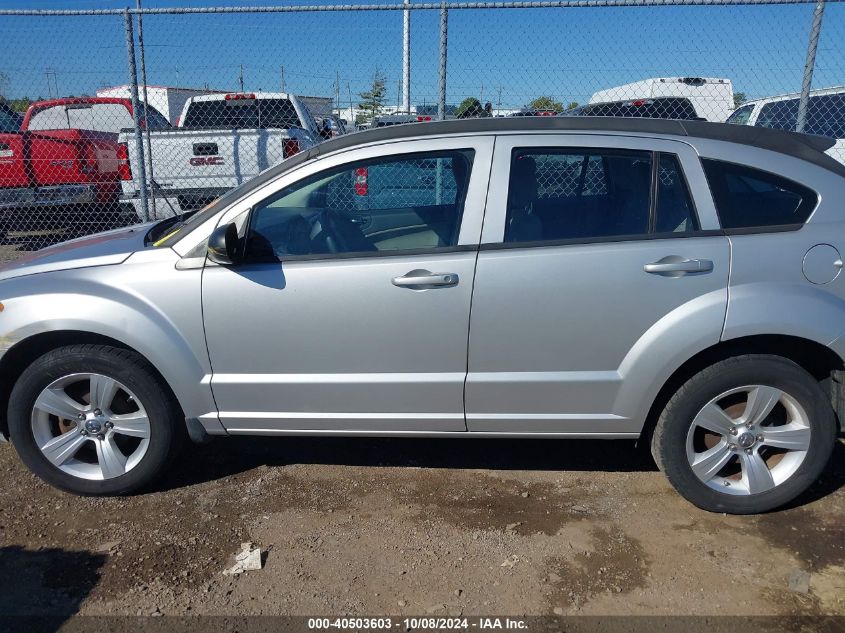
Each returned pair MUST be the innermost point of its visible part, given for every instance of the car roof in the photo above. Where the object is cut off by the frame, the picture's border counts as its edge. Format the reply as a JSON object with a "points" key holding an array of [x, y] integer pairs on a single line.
{"points": [[820, 92], [807, 147]]}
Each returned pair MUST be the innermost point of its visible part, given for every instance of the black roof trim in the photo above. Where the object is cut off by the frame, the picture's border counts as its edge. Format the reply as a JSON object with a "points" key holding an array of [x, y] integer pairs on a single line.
{"points": [[804, 146]]}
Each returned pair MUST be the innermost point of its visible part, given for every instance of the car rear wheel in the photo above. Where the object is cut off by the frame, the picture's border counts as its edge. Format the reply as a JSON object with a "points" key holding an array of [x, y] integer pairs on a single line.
{"points": [[745, 435], [94, 420]]}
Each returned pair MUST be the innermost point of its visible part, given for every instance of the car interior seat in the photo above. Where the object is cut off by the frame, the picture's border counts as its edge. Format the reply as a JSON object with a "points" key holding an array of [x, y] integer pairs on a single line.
{"points": [[523, 225]]}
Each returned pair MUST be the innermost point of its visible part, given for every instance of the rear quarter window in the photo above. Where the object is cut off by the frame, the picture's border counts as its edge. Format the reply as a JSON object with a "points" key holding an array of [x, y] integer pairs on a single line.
{"points": [[751, 198]]}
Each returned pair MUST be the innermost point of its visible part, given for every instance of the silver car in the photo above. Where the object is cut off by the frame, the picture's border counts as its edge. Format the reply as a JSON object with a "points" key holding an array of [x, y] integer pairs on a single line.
{"points": [[674, 281]]}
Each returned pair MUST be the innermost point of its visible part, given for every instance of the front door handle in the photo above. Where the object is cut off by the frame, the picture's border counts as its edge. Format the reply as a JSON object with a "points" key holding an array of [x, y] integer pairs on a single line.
{"points": [[422, 279], [675, 266]]}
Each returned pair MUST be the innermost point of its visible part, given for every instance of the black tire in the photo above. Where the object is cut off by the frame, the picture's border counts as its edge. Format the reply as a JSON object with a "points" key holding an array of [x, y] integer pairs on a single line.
{"points": [[668, 443], [167, 427]]}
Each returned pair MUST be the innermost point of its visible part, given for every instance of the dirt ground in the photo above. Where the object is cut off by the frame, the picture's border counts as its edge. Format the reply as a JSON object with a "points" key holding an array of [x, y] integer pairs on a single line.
{"points": [[404, 526]]}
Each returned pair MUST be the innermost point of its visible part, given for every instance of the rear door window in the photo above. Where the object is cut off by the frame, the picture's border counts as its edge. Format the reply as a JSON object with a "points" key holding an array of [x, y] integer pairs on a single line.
{"points": [[674, 211], [568, 194], [243, 114], [751, 198]]}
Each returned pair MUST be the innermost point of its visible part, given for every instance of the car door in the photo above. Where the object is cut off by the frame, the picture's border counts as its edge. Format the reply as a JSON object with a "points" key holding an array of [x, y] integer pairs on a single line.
{"points": [[351, 311], [597, 272]]}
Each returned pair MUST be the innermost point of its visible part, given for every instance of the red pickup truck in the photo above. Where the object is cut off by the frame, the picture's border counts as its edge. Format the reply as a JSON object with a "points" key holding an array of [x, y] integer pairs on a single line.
{"points": [[64, 154]]}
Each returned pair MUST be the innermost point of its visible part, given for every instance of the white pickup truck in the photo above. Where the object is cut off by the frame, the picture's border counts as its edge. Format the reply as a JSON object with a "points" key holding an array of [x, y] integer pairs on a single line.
{"points": [[222, 140]]}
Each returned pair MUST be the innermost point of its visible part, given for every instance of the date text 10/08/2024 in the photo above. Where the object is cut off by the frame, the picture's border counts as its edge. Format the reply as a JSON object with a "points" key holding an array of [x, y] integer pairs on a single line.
{"points": [[418, 623]]}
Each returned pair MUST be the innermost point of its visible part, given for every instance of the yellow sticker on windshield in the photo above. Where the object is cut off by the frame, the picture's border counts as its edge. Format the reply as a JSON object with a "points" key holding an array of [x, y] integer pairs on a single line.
{"points": [[158, 243]]}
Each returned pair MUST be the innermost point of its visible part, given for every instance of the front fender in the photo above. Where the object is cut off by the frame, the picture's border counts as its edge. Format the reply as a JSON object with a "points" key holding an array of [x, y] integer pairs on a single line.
{"points": [[159, 318]]}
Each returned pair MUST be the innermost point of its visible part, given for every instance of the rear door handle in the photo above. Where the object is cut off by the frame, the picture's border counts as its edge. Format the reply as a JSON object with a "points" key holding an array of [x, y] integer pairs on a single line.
{"points": [[675, 266], [422, 279]]}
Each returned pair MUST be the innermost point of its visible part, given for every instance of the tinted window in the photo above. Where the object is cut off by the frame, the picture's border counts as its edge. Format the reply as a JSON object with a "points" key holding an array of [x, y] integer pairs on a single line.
{"points": [[155, 119], [742, 115], [242, 113], [779, 115], [747, 197], [572, 194], [396, 204], [826, 116], [674, 211], [10, 121], [664, 108]]}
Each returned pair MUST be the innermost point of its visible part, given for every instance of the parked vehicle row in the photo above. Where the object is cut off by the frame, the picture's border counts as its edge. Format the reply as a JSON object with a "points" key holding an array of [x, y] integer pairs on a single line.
{"points": [[60, 163], [825, 115]]}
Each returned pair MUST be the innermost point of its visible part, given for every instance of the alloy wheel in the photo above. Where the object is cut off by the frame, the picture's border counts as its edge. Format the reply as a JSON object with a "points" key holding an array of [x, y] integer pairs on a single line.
{"points": [[748, 440], [90, 426]]}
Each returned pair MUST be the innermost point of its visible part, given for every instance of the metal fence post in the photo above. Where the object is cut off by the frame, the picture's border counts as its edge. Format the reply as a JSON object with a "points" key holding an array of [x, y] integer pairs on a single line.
{"points": [[809, 66], [140, 170], [444, 27], [406, 58], [149, 147]]}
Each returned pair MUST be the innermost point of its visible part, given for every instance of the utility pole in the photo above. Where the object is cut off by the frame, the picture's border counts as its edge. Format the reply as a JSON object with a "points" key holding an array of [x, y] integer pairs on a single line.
{"points": [[499, 97], [149, 156], [406, 56], [481, 95], [351, 111], [241, 78], [337, 91], [283, 79]]}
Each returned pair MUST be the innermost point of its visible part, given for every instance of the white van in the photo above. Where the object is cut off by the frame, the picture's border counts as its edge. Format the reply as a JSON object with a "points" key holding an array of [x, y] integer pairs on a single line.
{"points": [[708, 98], [825, 115]]}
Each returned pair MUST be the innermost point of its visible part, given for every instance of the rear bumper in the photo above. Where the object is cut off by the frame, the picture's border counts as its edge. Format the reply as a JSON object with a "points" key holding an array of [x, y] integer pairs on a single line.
{"points": [[55, 195]]}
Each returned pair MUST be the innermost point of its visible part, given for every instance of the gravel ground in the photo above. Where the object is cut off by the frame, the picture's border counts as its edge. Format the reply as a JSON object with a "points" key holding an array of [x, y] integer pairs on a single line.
{"points": [[403, 526]]}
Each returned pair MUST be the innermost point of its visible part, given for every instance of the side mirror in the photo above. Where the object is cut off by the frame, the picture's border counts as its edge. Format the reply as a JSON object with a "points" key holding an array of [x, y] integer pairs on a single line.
{"points": [[223, 245]]}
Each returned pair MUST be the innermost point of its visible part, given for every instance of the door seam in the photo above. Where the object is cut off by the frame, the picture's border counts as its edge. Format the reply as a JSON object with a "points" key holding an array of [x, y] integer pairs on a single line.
{"points": [[475, 276]]}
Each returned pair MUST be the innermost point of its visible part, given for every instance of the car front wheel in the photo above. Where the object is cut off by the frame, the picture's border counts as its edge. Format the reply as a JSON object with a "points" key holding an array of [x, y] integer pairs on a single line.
{"points": [[745, 435], [94, 420]]}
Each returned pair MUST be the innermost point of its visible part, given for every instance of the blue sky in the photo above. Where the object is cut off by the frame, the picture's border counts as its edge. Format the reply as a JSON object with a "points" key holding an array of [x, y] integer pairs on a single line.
{"points": [[504, 56]]}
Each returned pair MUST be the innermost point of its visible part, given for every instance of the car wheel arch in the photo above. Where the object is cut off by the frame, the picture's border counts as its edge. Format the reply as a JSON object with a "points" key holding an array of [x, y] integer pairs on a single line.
{"points": [[25, 351], [819, 360]]}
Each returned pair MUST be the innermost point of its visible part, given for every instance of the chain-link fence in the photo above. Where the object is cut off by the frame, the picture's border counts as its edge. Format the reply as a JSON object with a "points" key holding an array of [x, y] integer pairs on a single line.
{"points": [[111, 117]]}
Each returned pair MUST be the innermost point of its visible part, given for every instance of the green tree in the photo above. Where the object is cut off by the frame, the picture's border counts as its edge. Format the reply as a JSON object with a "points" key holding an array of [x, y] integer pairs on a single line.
{"points": [[468, 108], [739, 99], [372, 100], [21, 104], [545, 103], [572, 105]]}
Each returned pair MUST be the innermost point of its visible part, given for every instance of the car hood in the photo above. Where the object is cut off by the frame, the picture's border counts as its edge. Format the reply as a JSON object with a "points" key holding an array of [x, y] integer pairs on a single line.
{"points": [[102, 249]]}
